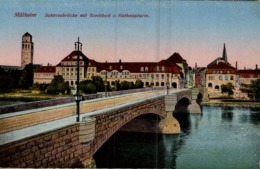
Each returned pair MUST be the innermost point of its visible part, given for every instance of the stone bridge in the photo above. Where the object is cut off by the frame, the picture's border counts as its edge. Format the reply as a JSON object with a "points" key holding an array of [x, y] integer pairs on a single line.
{"points": [[50, 137]]}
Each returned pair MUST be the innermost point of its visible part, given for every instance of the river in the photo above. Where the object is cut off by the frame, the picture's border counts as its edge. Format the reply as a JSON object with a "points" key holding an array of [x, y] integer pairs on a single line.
{"points": [[219, 138]]}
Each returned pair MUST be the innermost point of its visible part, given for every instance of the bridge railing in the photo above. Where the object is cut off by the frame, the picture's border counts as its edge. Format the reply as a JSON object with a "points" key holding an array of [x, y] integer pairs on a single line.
{"points": [[43, 103], [120, 92]]}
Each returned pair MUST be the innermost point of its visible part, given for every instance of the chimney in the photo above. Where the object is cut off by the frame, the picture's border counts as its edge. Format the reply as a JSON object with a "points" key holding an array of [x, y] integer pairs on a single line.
{"points": [[256, 66], [119, 60], [245, 68], [236, 64]]}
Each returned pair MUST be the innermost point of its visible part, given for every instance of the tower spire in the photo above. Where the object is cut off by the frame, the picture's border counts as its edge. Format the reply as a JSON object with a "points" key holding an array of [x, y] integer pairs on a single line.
{"points": [[224, 54]]}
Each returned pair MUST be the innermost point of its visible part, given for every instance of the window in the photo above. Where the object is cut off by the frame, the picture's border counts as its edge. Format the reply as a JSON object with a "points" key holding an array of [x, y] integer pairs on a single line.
{"points": [[157, 76], [121, 67], [157, 83], [163, 68], [211, 77], [210, 85], [216, 87], [142, 69], [221, 72], [157, 68], [214, 71], [162, 84], [228, 71], [146, 69], [231, 77], [226, 77], [220, 77], [162, 76]]}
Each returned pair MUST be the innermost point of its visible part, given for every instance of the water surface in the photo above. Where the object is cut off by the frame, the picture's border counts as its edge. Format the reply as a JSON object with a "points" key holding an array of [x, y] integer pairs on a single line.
{"points": [[221, 137]]}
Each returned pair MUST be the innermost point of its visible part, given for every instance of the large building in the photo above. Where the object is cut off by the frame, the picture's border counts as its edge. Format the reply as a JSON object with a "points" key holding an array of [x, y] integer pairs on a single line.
{"points": [[27, 50], [170, 71], [220, 72]]}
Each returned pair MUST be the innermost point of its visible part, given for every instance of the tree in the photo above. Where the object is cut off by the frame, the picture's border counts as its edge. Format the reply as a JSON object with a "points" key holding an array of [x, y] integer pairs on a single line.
{"points": [[227, 88], [124, 85], [58, 85], [86, 86], [99, 83], [139, 84], [253, 89], [26, 80]]}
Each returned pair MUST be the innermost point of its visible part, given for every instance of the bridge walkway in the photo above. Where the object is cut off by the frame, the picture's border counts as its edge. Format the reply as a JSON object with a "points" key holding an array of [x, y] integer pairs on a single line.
{"points": [[19, 125]]}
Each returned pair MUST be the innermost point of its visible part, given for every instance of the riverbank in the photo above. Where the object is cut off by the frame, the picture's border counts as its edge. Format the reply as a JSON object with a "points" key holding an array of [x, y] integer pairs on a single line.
{"points": [[233, 103]]}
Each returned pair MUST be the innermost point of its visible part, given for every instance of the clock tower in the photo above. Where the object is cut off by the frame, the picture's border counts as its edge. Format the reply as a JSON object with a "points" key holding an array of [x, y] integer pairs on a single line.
{"points": [[27, 50]]}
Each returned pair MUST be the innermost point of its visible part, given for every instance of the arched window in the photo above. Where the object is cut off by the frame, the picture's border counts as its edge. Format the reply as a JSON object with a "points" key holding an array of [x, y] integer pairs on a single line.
{"points": [[162, 83], [217, 87], [220, 77], [209, 84], [142, 69], [113, 83], [157, 83], [231, 77], [146, 69], [152, 84], [72, 83], [174, 85], [146, 83]]}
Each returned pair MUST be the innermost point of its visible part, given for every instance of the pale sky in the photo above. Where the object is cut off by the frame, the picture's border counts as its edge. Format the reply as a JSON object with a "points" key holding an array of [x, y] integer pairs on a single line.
{"points": [[196, 30]]}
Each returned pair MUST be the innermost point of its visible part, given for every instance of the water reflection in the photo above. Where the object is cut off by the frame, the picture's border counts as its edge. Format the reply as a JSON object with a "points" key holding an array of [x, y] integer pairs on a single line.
{"points": [[201, 143], [255, 118], [227, 116]]}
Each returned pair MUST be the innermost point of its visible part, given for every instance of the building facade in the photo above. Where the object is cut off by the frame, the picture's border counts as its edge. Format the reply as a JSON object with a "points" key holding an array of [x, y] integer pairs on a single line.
{"points": [[220, 72], [157, 74], [246, 76], [44, 74], [27, 50]]}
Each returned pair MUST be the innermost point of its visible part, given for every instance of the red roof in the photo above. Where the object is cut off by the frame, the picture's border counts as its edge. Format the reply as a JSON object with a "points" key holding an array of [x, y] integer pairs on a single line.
{"points": [[221, 66], [46, 69], [135, 67], [176, 57], [73, 56], [249, 73]]}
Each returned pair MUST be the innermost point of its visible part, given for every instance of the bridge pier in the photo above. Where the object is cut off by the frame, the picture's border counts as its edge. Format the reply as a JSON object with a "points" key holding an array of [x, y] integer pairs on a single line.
{"points": [[89, 163], [169, 125]]}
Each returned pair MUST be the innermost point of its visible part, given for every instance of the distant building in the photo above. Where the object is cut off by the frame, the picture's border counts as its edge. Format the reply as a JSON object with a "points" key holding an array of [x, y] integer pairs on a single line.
{"points": [[220, 72], [246, 76], [158, 74], [200, 76], [44, 74], [27, 50]]}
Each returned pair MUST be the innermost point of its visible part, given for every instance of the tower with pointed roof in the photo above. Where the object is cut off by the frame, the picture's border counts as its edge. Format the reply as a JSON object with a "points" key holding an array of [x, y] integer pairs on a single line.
{"points": [[224, 54], [27, 50]]}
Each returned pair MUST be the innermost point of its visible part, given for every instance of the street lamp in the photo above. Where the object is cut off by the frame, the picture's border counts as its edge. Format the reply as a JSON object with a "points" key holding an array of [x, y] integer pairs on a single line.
{"points": [[167, 84], [77, 96], [106, 80]]}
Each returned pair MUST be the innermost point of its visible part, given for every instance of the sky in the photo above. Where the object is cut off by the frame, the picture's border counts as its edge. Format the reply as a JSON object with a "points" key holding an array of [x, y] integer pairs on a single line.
{"points": [[197, 30]]}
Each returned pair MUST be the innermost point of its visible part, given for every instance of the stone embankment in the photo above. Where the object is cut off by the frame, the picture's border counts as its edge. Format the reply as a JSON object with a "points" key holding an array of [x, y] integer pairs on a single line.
{"points": [[232, 104]]}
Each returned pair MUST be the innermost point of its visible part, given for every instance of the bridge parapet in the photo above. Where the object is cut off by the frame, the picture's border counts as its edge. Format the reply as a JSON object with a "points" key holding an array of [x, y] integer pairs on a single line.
{"points": [[62, 147]]}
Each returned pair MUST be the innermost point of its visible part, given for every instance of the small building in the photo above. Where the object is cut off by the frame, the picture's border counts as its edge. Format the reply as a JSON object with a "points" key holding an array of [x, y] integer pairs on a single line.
{"points": [[246, 76], [44, 74]]}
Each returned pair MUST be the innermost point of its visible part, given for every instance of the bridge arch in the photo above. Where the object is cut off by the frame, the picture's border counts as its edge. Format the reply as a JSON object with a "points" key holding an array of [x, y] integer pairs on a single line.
{"points": [[110, 122]]}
